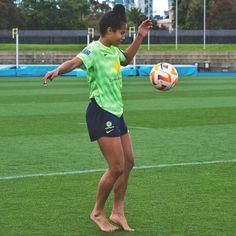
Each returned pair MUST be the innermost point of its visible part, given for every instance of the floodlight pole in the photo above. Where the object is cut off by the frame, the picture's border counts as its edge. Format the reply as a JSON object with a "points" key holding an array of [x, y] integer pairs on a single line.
{"points": [[176, 25], [15, 34], [149, 31], [204, 26]]}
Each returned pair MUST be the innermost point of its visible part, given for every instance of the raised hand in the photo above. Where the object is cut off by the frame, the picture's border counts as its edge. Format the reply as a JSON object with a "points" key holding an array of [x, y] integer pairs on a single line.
{"points": [[145, 27]]}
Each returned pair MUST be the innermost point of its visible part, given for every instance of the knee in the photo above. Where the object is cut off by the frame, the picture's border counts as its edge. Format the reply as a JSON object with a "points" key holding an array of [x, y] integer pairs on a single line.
{"points": [[129, 164], [117, 170]]}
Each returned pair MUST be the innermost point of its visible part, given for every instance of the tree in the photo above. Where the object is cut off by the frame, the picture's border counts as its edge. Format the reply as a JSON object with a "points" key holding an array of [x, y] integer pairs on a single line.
{"points": [[10, 15], [99, 7], [222, 15], [55, 14], [72, 14], [135, 17]]}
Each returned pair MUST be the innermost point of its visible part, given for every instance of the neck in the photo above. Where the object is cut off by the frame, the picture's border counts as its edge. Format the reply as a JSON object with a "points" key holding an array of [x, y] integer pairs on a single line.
{"points": [[104, 41]]}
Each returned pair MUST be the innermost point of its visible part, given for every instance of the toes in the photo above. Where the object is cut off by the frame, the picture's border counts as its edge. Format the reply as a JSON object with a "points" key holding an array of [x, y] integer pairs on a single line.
{"points": [[122, 222], [103, 223]]}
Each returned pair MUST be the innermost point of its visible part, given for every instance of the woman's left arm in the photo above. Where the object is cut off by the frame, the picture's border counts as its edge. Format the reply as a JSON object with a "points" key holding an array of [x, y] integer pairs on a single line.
{"points": [[143, 30]]}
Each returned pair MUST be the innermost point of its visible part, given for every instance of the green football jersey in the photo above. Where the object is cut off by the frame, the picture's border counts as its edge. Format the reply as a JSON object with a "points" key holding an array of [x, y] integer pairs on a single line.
{"points": [[104, 75]]}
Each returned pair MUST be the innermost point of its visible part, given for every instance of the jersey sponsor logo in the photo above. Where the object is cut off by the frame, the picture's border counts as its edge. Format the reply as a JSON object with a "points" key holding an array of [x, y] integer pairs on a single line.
{"points": [[86, 51]]}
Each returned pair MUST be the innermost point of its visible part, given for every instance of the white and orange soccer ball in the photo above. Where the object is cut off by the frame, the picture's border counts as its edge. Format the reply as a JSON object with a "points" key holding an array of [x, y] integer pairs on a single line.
{"points": [[163, 76]]}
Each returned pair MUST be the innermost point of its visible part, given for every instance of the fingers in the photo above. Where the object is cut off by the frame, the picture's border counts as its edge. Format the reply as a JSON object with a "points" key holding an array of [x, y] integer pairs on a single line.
{"points": [[147, 23], [48, 76]]}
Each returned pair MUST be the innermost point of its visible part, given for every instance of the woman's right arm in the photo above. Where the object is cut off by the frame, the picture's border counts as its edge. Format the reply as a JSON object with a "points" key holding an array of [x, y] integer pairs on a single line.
{"points": [[62, 69]]}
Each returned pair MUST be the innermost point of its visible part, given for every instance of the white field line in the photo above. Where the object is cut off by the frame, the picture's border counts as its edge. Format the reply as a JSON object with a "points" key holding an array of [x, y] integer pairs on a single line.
{"points": [[102, 170]]}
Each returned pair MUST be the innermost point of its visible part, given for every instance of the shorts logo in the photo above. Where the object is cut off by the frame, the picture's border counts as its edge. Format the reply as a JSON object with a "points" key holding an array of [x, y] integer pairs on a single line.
{"points": [[109, 127]]}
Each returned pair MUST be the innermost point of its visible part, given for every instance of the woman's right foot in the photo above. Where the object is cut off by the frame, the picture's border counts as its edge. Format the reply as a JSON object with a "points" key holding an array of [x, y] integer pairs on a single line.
{"points": [[121, 221], [101, 221]]}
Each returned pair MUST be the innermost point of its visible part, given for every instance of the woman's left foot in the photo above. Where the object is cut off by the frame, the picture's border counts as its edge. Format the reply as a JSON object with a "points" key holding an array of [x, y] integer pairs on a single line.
{"points": [[121, 221]]}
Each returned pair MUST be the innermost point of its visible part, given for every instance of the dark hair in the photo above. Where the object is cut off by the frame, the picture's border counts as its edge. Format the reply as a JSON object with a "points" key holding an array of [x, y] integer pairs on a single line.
{"points": [[114, 19]]}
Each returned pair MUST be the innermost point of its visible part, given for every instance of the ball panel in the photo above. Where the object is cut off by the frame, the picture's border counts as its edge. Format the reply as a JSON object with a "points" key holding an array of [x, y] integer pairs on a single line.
{"points": [[173, 71], [152, 77], [165, 78]]}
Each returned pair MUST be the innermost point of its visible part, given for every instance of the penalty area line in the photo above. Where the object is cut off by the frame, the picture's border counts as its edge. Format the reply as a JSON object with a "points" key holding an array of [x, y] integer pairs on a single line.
{"points": [[102, 170]]}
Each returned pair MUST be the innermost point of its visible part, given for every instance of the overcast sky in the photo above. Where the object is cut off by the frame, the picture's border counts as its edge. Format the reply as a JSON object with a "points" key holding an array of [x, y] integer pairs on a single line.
{"points": [[159, 6]]}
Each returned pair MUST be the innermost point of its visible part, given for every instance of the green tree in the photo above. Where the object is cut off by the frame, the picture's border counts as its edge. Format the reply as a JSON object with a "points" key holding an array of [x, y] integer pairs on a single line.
{"points": [[55, 14], [10, 15], [135, 17], [72, 14], [222, 15], [99, 7], [190, 13]]}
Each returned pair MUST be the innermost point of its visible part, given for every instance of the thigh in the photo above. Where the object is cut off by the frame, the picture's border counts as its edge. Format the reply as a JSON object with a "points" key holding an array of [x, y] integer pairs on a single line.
{"points": [[126, 143], [112, 150]]}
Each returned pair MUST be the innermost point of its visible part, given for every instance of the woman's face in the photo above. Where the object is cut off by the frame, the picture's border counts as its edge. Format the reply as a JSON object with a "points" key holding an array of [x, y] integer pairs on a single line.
{"points": [[118, 36]]}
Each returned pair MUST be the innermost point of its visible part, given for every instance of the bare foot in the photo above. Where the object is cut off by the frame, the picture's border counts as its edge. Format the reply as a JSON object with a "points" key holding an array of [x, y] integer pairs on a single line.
{"points": [[121, 221], [101, 221]]}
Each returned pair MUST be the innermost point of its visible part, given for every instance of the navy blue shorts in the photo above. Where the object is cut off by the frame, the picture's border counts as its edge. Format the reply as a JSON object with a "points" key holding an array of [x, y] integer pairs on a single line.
{"points": [[101, 123]]}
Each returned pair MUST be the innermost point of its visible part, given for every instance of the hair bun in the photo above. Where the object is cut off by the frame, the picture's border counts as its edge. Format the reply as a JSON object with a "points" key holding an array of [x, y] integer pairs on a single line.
{"points": [[119, 9]]}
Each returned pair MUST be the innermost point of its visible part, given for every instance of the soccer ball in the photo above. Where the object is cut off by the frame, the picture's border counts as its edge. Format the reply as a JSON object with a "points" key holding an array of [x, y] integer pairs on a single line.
{"points": [[163, 76]]}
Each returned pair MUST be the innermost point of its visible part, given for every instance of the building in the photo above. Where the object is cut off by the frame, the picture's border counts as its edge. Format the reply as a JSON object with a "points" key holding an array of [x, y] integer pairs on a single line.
{"points": [[127, 3], [119, 1], [168, 17], [170, 3], [146, 7]]}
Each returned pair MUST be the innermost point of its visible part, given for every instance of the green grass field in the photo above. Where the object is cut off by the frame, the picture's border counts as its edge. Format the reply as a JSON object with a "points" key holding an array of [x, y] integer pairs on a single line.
{"points": [[43, 131], [143, 47]]}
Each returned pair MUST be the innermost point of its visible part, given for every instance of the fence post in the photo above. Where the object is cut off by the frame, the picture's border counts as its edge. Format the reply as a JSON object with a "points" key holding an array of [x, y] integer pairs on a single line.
{"points": [[132, 31], [90, 32], [15, 34]]}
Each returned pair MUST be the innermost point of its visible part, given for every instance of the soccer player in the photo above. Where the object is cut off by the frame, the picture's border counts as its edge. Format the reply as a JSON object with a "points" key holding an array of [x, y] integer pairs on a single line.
{"points": [[104, 115]]}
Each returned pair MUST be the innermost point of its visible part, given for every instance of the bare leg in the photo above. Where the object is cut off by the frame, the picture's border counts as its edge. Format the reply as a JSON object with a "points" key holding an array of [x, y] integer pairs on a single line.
{"points": [[120, 187], [113, 153]]}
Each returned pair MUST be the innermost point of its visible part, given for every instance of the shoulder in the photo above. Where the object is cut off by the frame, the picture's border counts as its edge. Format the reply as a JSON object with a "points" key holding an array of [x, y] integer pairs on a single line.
{"points": [[117, 49], [91, 48]]}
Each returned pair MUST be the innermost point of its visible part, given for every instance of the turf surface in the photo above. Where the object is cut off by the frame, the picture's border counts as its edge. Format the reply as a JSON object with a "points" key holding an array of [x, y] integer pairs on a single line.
{"points": [[143, 47], [42, 130]]}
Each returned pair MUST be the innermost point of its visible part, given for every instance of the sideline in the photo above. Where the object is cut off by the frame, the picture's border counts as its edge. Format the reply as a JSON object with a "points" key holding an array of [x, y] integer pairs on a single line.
{"points": [[102, 170]]}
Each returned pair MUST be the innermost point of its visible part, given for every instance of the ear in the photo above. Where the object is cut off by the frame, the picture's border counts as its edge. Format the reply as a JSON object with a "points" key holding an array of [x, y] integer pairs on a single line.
{"points": [[109, 30]]}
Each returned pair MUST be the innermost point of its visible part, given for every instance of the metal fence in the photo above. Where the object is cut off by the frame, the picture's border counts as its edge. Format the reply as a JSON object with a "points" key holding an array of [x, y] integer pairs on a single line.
{"points": [[80, 36]]}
